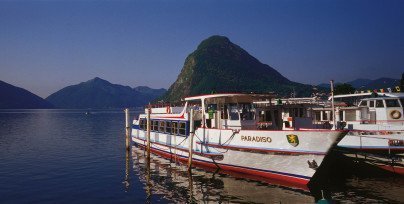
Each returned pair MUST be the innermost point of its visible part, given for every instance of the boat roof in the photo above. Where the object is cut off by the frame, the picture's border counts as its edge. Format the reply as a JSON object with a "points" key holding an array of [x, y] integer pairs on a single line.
{"points": [[239, 97], [386, 95], [380, 98]]}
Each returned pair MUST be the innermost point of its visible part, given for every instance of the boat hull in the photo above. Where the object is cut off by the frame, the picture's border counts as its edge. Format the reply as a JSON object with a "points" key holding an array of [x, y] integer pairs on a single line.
{"points": [[383, 149], [266, 154], [374, 141]]}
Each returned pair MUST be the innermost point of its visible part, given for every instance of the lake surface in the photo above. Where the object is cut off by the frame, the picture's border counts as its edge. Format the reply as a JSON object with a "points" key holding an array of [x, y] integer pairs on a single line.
{"points": [[66, 156]]}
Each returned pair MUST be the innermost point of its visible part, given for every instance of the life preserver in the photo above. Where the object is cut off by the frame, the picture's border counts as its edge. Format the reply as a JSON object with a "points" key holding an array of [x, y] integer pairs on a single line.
{"points": [[395, 114]]}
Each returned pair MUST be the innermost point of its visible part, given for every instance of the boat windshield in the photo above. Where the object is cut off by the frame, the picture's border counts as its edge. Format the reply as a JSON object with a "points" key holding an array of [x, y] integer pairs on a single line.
{"points": [[242, 111], [363, 104], [233, 111], [379, 104], [247, 111], [392, 103]]}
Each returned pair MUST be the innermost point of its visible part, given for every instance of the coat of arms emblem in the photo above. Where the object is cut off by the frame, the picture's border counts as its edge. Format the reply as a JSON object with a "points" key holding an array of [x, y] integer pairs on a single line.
{"points": [[293, 139]]}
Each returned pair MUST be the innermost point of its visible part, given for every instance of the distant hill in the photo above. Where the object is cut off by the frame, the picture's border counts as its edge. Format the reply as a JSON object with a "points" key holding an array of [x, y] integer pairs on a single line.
{"points": [[99, 93], [12, 97], [218, 65], [327, 85], [357, 83], [382, 83], [148, 93], [366, 84]]}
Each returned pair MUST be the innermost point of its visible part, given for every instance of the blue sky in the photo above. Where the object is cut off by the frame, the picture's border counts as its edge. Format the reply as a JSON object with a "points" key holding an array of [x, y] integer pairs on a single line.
{"points": [[47, 45]]}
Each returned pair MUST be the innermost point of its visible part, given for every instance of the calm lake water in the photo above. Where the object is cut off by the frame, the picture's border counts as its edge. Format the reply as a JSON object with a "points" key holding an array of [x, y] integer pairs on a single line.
{"points": [[66, 156]]}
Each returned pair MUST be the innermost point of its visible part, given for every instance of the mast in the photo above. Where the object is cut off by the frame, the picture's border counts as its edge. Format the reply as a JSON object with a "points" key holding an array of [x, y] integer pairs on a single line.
{"points": [[332, 104]]}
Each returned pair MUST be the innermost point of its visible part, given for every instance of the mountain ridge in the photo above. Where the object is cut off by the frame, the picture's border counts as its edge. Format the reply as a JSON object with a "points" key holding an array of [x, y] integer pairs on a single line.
{"points": [[100, 93], [13, 97], [365, 84], [218, 65]]}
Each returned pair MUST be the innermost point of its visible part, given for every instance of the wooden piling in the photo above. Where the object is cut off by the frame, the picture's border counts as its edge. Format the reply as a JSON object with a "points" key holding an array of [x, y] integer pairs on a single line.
{"points": [[191, 138], [148, 131], [190, 188], [128, 128]]}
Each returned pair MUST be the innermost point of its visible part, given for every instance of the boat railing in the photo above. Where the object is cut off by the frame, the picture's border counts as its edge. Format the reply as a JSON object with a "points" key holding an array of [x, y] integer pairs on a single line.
{"points": [[365, 133], [322, 124], [391, 142]]}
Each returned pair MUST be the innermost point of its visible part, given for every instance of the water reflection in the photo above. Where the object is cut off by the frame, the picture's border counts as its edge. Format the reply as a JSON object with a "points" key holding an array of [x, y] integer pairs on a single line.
{"points": [[176, 184], [147, 174], [126, 182]]}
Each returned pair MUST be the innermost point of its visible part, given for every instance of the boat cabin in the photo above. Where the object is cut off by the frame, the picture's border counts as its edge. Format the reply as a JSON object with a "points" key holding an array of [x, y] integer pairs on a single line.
{"points": [[373, 109], [249, 112]]}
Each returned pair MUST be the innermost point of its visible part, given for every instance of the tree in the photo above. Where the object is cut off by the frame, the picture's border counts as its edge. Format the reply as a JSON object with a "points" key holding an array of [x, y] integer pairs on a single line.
{"points": [[343, 89]]}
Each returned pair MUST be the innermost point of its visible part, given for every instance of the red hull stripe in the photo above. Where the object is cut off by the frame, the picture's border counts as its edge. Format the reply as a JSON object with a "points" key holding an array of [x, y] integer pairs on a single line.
{"points": [[374, 148], [241, 148], [290, 178], [394, 169], [381, 131]]}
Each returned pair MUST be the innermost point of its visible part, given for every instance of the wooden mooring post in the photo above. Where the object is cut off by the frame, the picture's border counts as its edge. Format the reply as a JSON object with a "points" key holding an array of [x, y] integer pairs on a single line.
{"points": [[128, 128], [148, 131], [191, 138]]}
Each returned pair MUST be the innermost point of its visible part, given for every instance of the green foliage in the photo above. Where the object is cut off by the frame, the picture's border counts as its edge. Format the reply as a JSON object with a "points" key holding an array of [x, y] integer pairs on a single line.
{"points": [[343, 89]]}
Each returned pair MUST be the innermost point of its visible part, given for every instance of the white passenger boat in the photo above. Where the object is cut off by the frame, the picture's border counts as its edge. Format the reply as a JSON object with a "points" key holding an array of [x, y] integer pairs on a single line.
{"points": [[244, 133], [376, 125]]}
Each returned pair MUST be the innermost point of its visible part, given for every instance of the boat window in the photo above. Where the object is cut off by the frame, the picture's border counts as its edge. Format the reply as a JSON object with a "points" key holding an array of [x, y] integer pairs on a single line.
{"points": [[392, 103], [224, 112], [168, 127], [247, 112], [174, 128], [363, 104], [233, 112], [154, 126], [372, 104], [162, 126], [325, 115], [268, 116], [141, 124], [296, 112], [144, 124], [144, 127], [317, 116], [181, 129], [379, 104], [211, 107]]}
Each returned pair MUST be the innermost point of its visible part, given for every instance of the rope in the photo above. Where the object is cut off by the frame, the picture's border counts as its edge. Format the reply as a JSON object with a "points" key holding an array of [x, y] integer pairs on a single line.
{"points": [[223, 144], [180, 142], [228, 140]]}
